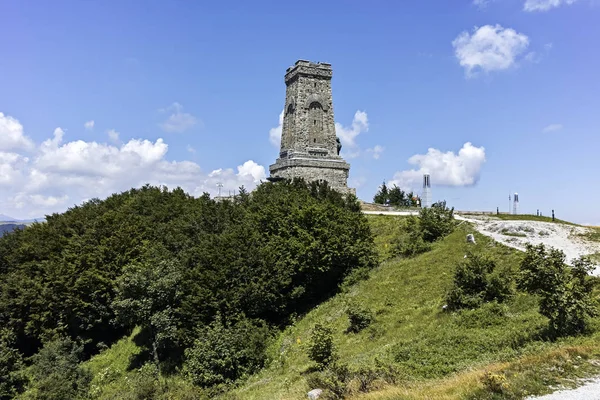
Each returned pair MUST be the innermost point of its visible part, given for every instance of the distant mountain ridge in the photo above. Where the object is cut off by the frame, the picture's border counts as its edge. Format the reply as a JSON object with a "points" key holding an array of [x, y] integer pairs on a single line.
{"points": [[9, 227], [7, 218]]}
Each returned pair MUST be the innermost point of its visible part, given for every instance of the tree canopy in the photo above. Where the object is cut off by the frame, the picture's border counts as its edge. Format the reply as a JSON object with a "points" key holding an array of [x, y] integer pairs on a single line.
{"points": [[170, 263]]}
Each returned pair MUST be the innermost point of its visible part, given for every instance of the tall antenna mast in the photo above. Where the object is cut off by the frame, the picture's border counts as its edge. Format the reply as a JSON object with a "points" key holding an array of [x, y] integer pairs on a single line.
{"points": [[426, 201], [509, 203]]}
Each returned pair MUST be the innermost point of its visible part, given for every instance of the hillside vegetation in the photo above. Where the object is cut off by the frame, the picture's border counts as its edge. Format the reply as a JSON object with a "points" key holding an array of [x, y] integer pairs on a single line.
{"points": [[414, 349], [193, 274], [153, 294]]}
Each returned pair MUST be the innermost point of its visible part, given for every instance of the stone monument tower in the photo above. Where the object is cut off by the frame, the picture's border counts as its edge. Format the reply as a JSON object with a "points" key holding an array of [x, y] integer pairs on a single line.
{"points": [[309, 146]]}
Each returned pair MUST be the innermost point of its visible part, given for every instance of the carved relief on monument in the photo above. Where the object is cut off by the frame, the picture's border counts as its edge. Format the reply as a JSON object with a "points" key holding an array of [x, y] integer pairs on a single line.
{"points": [[315, 124]]}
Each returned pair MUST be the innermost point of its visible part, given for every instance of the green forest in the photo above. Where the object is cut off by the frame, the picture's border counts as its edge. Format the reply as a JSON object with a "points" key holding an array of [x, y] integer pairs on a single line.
{"points": [[155, 294], [185, 270]]}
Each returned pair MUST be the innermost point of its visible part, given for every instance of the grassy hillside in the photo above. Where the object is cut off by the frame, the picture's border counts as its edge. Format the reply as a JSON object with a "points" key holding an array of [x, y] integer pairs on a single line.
{"points": [[436, 354], [432, 349]]}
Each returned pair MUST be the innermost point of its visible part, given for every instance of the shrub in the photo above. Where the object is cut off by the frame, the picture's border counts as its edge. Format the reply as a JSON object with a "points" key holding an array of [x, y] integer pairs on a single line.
{"points": [[338, 381], [477, 281], [321, 349], [57, 374], [411, 243], [333, 381], [12, 378], [565, 291], [359, 318], [494, 383], [225, 352], [437, 221]]}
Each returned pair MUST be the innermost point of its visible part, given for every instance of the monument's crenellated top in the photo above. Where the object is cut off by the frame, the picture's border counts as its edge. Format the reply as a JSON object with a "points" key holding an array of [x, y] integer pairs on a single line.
{"points": [[308, 68]]}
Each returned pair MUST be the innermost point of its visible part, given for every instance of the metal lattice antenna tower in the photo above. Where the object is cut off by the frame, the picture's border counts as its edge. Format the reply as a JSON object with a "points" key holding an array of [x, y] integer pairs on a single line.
{"points": [[426, 191], [516, 203], [509, 202]]}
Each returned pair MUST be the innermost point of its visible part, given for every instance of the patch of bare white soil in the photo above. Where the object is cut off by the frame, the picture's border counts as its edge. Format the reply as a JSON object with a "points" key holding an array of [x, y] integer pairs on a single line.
{"points": [[589, 391], [517, 234]]}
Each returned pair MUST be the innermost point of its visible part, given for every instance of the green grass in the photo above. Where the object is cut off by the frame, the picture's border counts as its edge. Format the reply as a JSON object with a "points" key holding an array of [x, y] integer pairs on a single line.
{"points": [[410, 330], [595, 257], [592, 235]]}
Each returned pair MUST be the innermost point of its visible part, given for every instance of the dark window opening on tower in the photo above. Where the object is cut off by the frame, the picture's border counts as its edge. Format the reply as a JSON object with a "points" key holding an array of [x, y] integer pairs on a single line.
{"points": [[314, 122], [314, 140]]}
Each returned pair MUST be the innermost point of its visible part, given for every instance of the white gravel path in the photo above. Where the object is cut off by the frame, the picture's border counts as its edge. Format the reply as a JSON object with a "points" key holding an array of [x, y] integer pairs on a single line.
{"points": [[561, 236], [589, 391]]}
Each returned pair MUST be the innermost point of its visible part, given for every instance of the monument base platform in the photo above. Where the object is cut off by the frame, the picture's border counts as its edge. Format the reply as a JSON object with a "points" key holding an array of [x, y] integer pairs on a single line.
{"points": [[334, 171]]}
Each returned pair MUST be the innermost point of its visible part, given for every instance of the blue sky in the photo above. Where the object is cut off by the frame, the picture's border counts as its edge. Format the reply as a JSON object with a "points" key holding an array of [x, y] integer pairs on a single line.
{"points": [[187, 93]]}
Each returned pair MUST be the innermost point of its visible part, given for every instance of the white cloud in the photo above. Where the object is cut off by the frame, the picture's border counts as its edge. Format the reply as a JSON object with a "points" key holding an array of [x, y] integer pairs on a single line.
{"points": [[481, 4], [489, 48], [553, 128], [12, 136], [59, 174], [376, 151], [544, 5], [178, 121], [347, 135], [275, 133], [11, 168], [252, 169], [113, 135], [89, 125], [447, 169], [190, 149]]}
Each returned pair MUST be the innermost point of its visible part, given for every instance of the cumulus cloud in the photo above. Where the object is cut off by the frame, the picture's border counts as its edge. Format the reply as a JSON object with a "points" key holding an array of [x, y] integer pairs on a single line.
{"points": [[376, 151], [89, 125], [347, 135], [275, 133], [489, 48], [178, 121], [552, 128], [12, 166], [60, 173], [12, 136], [446, 169], [545, 5], [252, 169], [113, 135]]}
